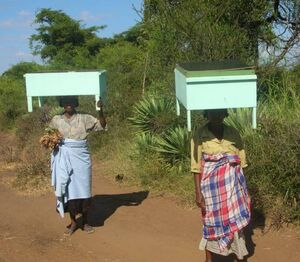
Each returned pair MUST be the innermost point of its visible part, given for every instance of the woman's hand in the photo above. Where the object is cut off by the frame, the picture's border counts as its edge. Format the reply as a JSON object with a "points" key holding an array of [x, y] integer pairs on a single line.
{"points": [[200, 201], [199, 197]]}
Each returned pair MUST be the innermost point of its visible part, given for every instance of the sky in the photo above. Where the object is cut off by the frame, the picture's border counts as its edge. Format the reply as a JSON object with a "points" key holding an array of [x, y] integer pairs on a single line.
{"points": [[17, 16]]}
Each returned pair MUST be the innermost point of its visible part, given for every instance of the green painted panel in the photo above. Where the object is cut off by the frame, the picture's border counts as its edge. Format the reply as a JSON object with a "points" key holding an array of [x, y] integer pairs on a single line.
{"points": [[219, 68]]}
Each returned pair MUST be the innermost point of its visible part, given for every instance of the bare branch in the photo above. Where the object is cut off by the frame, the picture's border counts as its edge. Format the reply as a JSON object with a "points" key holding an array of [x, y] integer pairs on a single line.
{"points": [[289, 44]]}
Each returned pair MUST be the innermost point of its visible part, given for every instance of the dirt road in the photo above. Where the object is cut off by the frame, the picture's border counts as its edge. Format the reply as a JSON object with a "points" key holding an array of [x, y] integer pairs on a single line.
{"points": [[131, 226]]}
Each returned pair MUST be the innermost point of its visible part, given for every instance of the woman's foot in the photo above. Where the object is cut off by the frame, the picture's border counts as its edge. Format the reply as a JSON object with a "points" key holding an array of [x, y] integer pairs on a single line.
{"points": [[71, 229], [89, 229]]}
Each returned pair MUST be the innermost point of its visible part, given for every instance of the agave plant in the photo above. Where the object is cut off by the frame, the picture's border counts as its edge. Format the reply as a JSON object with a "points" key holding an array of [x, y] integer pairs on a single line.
{"points": [[145, 142], [55, 111], [154, 115], [240, 119], [174, 145]]}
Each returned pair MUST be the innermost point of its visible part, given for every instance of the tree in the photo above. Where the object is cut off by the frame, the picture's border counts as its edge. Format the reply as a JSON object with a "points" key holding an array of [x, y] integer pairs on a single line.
{"points": [[17, 71], [216, 29], [12, 100], [124, 63], [60, 34], [285, 17]]}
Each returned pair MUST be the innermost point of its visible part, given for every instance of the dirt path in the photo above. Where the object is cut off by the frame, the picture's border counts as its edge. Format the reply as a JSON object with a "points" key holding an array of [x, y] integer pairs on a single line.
{"points": [[131, 226]]}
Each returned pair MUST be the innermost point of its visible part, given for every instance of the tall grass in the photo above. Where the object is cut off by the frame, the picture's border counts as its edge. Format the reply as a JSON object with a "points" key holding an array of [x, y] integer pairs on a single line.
{"points": [[33, 173], [274, 153]]}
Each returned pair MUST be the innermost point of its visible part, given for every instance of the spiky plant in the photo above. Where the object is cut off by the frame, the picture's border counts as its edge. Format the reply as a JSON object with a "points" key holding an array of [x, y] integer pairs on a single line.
{"points": [[154, 115], [241, 120], [174, 145], [55, 111], [145, 143]]}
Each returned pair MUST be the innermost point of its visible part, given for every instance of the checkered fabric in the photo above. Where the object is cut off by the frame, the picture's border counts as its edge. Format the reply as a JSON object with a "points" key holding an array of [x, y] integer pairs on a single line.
{"points": [[227, 203]]}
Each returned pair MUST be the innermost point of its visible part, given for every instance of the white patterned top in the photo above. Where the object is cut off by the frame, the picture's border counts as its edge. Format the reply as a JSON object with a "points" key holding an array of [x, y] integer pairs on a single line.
{"points": [[77, 127]]}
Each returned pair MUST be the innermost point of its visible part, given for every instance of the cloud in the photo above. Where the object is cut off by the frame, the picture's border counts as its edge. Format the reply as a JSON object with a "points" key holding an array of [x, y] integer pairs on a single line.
{"points": [[24, 13], [23, 19], [23, 55], [86, 16], [7, 38]]}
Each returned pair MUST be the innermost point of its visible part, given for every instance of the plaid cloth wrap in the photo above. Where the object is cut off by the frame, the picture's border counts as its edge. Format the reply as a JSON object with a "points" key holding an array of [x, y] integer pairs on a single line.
{"points": [[227, 203]]}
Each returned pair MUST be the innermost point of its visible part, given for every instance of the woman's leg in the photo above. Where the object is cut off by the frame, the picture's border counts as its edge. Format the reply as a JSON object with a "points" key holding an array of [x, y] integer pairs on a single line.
{"points": [[73, 225], [235, 259], [86, 227], [86, 205], [208, 256]]}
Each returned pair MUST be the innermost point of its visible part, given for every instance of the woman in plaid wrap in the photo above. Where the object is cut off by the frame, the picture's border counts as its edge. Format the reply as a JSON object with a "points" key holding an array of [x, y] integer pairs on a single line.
{"points": [[217, 159]]}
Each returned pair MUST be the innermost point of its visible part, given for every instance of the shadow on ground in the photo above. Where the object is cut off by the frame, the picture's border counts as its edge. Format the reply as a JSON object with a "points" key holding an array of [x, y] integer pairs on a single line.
{"points": [[103, 206]]}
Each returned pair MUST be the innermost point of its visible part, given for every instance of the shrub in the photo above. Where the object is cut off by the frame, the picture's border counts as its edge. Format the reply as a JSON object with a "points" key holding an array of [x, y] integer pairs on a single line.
{"points": [[241, 120], [174, 145], [154, 115], [34, 171], [273, 155], [12, 101]]}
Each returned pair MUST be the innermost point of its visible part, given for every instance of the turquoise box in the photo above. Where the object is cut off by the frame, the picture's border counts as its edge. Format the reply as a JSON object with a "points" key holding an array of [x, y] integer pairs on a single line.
{"points": [[215, 85], [65, 84]]}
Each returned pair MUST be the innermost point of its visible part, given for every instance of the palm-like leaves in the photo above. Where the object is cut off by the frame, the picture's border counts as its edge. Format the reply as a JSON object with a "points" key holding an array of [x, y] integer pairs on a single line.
{"points": [[174, 144], [145, 142], [154, 115], [240, 119], [55, 111]]}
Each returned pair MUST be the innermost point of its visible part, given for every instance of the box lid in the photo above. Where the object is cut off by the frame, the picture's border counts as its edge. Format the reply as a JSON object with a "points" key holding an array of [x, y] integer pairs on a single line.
{"points": [[215, 68]]}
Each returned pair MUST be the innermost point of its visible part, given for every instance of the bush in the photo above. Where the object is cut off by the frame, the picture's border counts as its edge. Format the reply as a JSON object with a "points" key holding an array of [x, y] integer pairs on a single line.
{"points": [[154, 173], [17, 71], [174, 145], [33, 176], [154, 115], [12, 101], [124, 63], [273, 156], [34, 171]]}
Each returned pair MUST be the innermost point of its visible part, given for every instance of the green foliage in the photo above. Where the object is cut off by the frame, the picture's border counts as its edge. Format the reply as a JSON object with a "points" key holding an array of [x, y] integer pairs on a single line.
{"points": [[154, 115], [30, 126], [19, 70], [53, 111], [241, 120], [273, 153], [145, 143], [33, 173], [134, 35], [158, 130], [124, 63], [174, 145], [12, 100], [60, 34], [193, 30]]}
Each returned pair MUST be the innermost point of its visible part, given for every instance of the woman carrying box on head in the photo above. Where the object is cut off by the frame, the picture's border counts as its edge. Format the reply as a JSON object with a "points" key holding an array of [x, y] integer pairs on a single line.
{"points": [[217, 159], [70, 161]]}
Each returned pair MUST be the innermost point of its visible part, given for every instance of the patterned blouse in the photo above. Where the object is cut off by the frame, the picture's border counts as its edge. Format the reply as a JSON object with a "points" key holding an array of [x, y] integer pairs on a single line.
{"points": [[77, 127], [204, 141]]}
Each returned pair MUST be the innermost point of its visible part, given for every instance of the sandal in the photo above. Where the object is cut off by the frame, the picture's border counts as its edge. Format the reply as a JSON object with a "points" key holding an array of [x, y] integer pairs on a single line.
{"points": [[88, 229], [70, 230]]}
